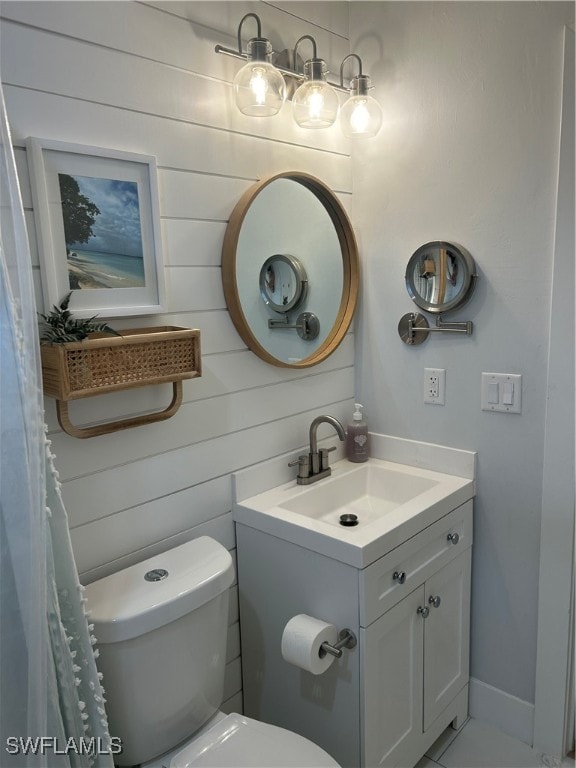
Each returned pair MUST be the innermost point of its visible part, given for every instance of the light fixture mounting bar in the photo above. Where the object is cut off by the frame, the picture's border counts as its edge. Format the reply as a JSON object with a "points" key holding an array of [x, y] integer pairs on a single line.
{"points": [[283, 70], [237, 55], [230, 52]]}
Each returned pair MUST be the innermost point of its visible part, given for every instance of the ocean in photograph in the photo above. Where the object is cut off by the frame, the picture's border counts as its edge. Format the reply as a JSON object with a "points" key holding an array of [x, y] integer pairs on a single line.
{"points": [[98, 269]]}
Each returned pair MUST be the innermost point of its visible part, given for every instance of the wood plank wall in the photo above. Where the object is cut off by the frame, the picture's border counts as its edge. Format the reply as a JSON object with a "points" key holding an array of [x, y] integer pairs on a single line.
{"points": [[143, 77]]}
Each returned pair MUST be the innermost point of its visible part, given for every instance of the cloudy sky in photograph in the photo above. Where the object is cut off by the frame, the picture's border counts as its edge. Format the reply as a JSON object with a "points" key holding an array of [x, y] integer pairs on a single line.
{"points": [[117, 229]]}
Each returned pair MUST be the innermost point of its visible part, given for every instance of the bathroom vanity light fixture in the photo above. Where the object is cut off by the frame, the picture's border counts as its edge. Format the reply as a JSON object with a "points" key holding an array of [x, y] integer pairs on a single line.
{"points": [[315, 103], [261, 86], [361, 115]]}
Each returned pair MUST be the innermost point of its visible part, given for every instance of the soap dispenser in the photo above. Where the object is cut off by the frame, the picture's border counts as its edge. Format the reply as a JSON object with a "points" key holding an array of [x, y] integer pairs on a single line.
{"points": [[357, 437]]}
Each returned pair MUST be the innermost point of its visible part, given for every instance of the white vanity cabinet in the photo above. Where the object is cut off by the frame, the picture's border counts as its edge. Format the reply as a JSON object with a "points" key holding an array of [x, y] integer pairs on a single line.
{"points": [[386, 701], [419, 651]]}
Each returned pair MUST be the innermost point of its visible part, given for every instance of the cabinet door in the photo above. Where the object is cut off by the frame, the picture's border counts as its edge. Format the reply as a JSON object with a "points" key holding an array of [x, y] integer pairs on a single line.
{"points": [[446, 636], [392, 658]]}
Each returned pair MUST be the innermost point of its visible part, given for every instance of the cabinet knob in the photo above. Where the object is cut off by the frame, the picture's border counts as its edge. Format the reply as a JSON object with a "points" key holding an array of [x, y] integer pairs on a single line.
{"points": [[399, 576], [423, 611], [435, 601], [453, 537]]}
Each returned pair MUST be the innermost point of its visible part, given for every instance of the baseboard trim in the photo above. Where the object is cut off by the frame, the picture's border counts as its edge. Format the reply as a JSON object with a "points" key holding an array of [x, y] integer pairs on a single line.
{"points": [[508, 713]]}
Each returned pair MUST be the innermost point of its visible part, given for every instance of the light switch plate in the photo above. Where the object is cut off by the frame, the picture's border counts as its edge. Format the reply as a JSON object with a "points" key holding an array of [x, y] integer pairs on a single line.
{"points": [[502, 392]]}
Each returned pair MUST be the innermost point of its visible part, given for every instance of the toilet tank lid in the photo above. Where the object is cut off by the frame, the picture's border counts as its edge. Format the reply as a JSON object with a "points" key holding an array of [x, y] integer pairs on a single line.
{"points": [[126, 604]]}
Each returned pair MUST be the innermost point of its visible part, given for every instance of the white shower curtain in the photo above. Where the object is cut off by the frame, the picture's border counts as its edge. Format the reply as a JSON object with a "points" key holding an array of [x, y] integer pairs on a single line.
{"points": [[51, 700]]}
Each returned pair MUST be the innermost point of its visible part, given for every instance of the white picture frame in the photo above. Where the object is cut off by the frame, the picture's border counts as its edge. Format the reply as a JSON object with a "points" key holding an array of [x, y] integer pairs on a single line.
{"points": [[107, 200]]}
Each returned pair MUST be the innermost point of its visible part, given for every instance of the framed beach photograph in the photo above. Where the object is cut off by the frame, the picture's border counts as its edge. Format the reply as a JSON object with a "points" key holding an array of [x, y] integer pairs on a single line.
{"points": [[98, 227]]}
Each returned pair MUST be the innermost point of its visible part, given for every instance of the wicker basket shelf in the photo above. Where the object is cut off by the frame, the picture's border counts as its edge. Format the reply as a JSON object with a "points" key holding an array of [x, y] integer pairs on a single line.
{"points": [[101, 364]]}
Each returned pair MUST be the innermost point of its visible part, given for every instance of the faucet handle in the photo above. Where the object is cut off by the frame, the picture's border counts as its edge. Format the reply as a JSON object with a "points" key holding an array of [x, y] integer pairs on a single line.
{"points": [[303, 464], [324, 457]]}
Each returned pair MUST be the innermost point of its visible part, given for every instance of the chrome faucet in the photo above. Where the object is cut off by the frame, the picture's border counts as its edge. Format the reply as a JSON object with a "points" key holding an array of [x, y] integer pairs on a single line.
{"points": [[314, 466]]}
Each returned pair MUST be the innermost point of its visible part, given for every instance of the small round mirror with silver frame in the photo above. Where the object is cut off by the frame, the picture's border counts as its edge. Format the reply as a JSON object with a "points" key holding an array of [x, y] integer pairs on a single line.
{"points": [[283, 282], [440, 276]]}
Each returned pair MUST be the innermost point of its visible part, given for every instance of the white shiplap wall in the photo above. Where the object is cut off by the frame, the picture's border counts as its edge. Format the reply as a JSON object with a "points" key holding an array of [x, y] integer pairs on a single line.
{"points": [[143, 77]]}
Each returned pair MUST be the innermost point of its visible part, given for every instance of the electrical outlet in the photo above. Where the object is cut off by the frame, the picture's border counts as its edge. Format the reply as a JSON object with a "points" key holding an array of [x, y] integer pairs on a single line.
{"points": [[435, 386]]}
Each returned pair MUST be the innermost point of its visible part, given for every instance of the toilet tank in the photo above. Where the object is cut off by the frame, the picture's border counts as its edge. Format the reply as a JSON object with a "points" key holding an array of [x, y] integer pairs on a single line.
{"points": [[161, 627]]}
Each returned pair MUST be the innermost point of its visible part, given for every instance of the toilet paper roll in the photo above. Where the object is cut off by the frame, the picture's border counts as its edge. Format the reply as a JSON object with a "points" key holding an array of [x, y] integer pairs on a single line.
{"points": [[301, 641]]}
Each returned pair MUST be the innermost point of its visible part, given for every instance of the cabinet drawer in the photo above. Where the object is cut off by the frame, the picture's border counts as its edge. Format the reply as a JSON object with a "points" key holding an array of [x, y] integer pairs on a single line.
{"points": [[413, 562]]}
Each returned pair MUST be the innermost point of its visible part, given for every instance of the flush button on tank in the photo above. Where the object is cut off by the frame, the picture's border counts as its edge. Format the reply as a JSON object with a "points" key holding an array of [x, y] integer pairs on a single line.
{"points": [[156, 574]]}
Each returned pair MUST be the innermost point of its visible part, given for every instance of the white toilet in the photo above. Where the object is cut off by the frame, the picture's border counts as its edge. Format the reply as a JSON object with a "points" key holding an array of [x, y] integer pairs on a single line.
{"points": [[161, 627]]}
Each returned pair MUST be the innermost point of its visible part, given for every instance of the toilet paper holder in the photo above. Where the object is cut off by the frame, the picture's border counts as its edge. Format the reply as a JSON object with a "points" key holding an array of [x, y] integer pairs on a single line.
{"points": [[346, 639]]}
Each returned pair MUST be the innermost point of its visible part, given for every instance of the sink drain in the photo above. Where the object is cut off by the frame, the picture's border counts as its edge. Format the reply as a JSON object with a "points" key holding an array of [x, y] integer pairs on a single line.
{"points": [[349, 519]]}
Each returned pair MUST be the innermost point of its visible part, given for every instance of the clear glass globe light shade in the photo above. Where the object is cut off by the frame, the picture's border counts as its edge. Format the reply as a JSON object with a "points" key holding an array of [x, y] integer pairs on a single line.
{"points": [[315, 104], [259, 89], [361, 116]]}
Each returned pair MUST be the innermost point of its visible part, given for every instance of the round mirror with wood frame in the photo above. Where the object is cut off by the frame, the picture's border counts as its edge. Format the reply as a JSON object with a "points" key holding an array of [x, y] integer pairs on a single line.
{"points": [[321, 238]]}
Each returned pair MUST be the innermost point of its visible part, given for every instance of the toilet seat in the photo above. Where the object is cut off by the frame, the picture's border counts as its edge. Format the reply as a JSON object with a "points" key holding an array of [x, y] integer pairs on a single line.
{"points": [[236, 741]]}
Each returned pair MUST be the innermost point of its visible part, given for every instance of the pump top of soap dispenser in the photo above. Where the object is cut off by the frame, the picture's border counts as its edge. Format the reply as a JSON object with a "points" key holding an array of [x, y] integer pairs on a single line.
{"points": [[357, 415]]}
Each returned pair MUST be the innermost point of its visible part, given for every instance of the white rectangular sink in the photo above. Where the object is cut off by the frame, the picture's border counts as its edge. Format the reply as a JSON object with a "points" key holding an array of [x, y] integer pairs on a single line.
{"points": [[392, 502], [369, 492]]}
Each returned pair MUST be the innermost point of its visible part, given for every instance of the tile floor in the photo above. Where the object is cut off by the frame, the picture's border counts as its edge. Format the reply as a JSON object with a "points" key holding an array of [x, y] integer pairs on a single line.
{"points": [[479, 745]]}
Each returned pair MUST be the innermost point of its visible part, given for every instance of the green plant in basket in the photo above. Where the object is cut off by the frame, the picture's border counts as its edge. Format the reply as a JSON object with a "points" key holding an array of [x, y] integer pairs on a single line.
{"points": [[58, 326]]}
